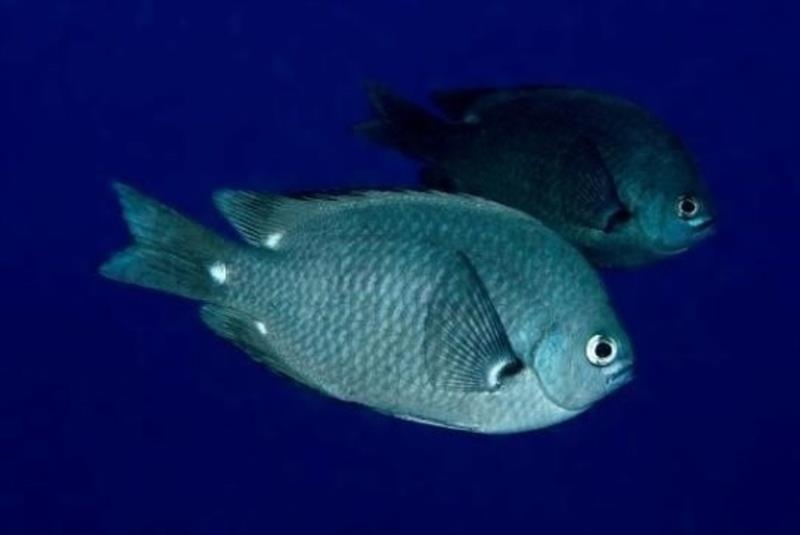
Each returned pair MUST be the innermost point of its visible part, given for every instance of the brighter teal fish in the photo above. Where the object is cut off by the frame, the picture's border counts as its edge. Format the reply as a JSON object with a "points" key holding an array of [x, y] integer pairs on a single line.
{"points": [[446, 310]]}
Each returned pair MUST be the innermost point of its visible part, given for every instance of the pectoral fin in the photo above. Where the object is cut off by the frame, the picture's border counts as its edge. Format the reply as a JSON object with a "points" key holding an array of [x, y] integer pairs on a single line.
{"points": [[466, 346], [590, 190]]}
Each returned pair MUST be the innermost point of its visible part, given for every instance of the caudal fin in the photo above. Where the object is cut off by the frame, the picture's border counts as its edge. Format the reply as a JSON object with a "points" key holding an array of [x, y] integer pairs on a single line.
{"points": [[170, 253], [404, 126]]}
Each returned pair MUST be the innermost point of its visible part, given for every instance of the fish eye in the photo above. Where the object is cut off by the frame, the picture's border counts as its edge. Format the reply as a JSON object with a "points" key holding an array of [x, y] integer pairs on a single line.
{"points": [[688, 206], [601, 350]]}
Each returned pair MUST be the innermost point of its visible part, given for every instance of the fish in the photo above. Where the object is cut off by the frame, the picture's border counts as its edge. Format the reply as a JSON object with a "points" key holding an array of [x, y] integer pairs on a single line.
{"points": [[440, 309], [603, 172]]}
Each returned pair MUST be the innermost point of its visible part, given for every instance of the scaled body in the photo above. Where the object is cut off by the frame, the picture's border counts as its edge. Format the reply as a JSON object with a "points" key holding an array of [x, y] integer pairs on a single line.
{"points": [[448, 310]]}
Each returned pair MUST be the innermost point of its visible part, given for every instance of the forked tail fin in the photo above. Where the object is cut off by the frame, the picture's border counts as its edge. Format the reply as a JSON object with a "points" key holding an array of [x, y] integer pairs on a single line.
{"points": [[170, 253], [404, 126]]}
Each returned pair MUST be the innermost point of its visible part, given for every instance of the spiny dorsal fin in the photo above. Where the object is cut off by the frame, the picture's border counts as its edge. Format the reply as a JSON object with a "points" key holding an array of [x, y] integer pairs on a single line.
{"points": [[456, 104], [263, 219]]}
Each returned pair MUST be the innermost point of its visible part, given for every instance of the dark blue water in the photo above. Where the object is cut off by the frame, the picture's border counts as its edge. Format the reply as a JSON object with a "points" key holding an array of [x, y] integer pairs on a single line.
{"points": [[120, 414]]}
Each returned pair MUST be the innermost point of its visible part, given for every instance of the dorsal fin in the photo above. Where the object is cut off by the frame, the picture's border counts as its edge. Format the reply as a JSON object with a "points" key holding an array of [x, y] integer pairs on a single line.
{"points": [[263, 219], [457, 103]]}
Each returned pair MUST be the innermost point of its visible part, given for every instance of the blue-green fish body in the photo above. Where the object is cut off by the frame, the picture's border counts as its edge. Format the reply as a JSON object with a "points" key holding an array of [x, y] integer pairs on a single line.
{"points": [[395, 315], [601, 171]]}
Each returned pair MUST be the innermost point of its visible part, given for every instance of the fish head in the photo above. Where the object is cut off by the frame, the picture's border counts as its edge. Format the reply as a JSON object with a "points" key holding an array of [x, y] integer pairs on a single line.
{"points": [[582, 359], [673, 210]]}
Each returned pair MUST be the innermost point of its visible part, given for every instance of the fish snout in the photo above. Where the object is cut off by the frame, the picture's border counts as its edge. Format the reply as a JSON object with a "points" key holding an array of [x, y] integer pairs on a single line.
{"points": [[619, 376], [704, 224]]}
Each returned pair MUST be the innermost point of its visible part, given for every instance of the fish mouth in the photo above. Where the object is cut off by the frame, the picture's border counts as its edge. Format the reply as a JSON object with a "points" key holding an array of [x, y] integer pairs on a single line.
{"points": [[704, 229], [701, 231], [706, 225], [622, 376], [673, 252]]}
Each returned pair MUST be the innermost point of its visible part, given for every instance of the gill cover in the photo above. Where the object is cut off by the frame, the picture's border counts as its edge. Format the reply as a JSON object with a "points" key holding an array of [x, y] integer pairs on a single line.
{"points": [[567, 377]]}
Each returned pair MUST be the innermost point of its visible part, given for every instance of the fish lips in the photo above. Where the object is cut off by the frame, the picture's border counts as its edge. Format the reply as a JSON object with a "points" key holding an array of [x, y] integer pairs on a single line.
{"points": [[620, 377], [705, 228], [702, 230]]}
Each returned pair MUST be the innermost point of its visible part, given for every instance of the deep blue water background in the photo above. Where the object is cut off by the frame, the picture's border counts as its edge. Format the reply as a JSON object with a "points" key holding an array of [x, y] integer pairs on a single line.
{"points": [[120, 414]]}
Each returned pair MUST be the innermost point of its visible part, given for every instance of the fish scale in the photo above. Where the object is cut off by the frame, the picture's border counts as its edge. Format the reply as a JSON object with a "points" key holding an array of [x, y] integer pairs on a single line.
{"points": [[332, 347]]}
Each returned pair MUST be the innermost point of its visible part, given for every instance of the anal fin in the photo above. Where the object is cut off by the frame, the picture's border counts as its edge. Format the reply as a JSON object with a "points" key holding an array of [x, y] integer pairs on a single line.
{"points": [[251, 335], [436, 423]]}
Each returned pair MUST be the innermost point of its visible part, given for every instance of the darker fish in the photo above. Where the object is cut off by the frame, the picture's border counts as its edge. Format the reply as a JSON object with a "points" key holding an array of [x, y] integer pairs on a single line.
{"points": [[601, 171]]}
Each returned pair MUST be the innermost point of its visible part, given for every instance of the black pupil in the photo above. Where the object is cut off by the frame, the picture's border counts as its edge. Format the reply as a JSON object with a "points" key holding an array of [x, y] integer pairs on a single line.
{"points": [[688, 206], [603, 350]]}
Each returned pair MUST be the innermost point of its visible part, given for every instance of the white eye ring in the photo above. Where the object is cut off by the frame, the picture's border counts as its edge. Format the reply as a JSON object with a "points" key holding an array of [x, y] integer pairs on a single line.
{"points": [[688, 206], [601, 350]]}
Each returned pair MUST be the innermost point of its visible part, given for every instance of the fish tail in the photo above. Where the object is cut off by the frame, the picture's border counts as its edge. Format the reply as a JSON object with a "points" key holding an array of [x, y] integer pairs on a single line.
{"points": [[404, 126], [170, 253]]}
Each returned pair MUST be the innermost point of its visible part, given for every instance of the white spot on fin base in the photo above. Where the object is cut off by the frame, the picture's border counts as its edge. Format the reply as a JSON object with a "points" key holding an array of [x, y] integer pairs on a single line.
{"points": [[273, 240], [219, 272]]}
